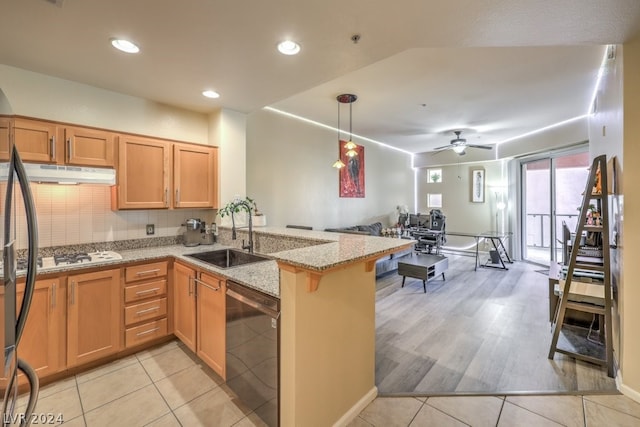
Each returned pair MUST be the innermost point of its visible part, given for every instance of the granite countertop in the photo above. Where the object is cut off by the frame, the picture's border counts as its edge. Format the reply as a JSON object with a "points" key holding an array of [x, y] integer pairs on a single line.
{"points": [[326, 250]]}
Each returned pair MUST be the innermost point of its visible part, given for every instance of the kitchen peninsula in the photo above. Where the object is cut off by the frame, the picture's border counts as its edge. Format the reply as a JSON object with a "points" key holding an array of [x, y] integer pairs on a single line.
{"points": [[326, 284]]}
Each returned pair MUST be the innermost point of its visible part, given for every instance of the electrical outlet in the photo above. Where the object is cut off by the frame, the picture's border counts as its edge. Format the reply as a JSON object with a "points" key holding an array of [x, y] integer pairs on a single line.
{"points": [[151, 229]]}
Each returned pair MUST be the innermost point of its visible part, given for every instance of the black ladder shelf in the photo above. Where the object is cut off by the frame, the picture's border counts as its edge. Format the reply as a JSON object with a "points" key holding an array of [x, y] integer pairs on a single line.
{"points": [[587, 280]]}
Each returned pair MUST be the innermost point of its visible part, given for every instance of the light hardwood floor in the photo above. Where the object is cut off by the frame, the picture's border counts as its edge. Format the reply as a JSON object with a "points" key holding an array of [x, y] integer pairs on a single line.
{"points": [[477, 332]]}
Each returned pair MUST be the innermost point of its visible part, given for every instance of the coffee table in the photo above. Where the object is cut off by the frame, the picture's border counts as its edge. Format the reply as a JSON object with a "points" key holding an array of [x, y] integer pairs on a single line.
{"points": [[423, 267]]}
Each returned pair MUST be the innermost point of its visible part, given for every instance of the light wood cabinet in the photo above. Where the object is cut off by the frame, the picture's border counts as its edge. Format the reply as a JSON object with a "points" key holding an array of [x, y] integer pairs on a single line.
{"points": [[184, 304], [5, 132], [42, 342], [93, 310], [143, 173], [195, 180], [88, 147], [211, 326], [36, 140], [145, 303]]}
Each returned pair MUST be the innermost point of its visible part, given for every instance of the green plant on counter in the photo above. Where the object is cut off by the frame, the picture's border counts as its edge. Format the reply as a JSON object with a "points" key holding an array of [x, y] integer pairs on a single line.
{"points": [[236, 205]]}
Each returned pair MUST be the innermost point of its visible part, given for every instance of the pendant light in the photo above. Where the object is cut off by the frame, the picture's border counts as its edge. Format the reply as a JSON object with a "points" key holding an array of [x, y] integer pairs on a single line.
{"points": [[350, 146]]}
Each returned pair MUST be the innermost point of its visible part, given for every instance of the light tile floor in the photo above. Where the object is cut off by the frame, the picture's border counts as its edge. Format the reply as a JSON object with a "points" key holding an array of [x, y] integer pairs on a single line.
{"points": [[168, 386]]}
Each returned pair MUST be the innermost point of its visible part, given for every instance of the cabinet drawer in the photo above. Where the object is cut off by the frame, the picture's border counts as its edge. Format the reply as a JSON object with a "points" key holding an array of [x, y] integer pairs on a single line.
{"points": [[145, 290], [145, 271], [145, 311], [147, 332]]}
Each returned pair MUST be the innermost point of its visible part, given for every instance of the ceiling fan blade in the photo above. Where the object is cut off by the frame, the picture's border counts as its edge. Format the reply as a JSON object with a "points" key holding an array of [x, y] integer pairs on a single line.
{"points": [[484, 147], [444, 147]]}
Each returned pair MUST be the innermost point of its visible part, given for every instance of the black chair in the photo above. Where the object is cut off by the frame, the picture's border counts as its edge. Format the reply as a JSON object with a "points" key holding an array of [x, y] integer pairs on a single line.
{"points": [[437, 224]]}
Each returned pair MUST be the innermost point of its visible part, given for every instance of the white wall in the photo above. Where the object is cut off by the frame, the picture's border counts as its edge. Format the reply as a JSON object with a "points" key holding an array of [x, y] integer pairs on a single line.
{"points": [[289, 174], [45, 97], [630, 229], [462, 215], [228, 131]]}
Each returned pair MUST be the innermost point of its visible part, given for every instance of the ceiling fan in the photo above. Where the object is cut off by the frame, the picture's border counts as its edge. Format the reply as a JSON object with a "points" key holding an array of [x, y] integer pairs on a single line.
{"points": [[459, 145]]}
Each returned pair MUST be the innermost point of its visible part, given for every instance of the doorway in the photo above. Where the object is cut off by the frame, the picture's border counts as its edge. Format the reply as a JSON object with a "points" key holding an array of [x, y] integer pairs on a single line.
{"points": [[551, 191]]}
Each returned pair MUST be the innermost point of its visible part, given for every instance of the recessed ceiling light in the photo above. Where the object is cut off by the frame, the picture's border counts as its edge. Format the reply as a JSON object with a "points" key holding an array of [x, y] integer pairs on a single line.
{"points": [[125, 45], [288, 47], [211, 94]]}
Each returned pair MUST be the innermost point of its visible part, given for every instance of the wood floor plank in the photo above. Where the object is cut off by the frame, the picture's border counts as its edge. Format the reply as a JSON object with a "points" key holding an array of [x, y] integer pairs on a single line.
{"points": [[484, 331]]}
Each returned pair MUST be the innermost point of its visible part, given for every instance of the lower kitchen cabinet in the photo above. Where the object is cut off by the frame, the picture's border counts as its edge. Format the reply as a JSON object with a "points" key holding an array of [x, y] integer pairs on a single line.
{"points": [[210, 325], [146, 304], [199, 314], [42, 343], [184, 304], [93, 310]]}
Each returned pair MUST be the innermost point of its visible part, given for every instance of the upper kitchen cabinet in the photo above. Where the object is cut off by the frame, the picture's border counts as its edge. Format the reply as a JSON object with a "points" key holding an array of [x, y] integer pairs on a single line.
{"points": [[195, 178], [36, 140], [5, 131], [143, 173], [88, 147], [48, 142]]}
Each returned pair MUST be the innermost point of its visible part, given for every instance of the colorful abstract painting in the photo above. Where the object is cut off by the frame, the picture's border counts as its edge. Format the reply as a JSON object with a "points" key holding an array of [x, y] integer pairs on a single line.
{"points": [[352, 175]]}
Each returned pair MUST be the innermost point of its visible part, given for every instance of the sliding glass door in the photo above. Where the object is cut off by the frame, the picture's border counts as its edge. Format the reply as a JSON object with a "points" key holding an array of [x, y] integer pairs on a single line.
{"points": [[552, 189]]}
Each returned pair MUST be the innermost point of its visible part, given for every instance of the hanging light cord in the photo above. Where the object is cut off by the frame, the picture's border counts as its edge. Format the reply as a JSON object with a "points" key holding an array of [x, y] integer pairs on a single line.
{"points": [[350, 118], [338, 121]]}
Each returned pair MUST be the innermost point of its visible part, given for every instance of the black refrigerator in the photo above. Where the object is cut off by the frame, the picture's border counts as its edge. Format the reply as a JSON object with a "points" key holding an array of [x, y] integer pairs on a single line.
{"points": [[17, 191]]}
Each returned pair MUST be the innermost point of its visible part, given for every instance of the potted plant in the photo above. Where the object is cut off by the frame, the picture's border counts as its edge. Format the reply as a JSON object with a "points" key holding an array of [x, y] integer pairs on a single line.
{"points": [[435, 177], [248, 205], [236, 205]]}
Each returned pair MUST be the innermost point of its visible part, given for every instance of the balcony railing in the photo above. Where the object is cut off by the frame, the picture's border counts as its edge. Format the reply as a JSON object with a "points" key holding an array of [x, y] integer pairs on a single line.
{"points": [[539, 228]]}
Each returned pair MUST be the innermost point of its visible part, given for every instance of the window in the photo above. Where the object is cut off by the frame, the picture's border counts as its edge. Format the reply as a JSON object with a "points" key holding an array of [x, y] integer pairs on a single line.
{"points": [[434, 175], [434, 200]]}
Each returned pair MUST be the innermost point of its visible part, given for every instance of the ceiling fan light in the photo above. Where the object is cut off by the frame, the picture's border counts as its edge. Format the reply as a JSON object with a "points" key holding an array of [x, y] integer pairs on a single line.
{"points": [[339, 164], [459, 149]]}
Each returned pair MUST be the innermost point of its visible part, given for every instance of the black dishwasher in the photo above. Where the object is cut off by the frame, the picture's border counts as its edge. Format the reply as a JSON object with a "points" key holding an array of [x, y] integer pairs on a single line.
{"points": [[253, 342]]}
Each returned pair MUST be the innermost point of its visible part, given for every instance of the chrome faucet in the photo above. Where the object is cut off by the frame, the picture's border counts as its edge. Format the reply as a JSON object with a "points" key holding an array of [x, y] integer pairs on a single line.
{"points": [[246, 205]]}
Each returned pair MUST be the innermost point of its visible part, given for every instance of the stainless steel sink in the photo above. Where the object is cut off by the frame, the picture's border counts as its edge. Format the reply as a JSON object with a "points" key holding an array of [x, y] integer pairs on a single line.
{"points": [[227, 258]]}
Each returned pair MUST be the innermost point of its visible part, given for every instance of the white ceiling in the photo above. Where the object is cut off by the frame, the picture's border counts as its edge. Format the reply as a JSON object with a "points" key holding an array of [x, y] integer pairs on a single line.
{"points": [[499, 68]]}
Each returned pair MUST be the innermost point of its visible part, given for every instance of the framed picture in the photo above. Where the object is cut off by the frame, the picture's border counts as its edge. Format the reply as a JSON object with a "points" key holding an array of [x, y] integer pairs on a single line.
{"points": [[352, 175], [477, 185]]}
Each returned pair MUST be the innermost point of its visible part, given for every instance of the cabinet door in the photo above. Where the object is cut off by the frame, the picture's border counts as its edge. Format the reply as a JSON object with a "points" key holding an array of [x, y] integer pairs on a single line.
{"points": [[195, 180], [42, 341], [36, 140], [184, 308], [5, 132], [94, 322], [211, 322], [89, 147], [143, 173]]}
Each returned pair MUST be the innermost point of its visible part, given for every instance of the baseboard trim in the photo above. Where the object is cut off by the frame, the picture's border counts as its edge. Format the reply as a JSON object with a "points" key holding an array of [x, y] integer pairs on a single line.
{"points": [[626, 390], [353, 412]]}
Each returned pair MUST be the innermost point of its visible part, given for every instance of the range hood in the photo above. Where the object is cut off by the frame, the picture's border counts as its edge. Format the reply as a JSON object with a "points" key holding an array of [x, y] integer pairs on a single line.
{"points": [[68, 174]]}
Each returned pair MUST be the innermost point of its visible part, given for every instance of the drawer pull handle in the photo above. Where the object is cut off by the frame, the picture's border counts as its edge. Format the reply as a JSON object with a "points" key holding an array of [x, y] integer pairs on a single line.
{"points": [[144, 273], [147, 310], [148, 291], [147, 332], [206, 285]]}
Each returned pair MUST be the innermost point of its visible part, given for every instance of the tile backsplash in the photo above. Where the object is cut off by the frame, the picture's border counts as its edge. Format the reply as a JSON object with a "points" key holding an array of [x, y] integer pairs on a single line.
{"points": [[77, 214]]}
